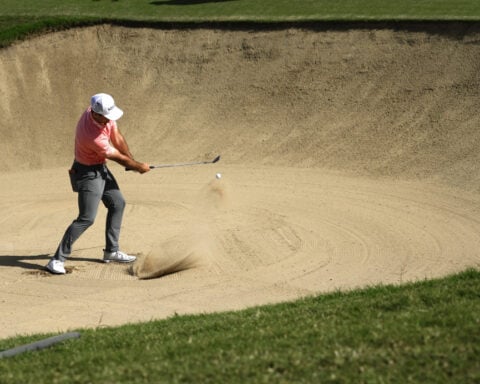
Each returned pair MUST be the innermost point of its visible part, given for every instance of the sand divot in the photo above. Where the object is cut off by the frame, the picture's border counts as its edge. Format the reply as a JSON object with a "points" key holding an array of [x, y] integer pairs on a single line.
{"points": [[192, 248], [164, 261]]}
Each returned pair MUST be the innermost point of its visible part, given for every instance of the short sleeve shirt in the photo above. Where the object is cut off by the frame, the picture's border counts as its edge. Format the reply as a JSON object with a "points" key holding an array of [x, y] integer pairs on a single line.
{"points": [[92, 140]]}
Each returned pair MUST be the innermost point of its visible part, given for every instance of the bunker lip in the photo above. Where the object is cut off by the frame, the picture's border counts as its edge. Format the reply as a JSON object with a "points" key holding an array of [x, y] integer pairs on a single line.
{"points": [[348, 158]]}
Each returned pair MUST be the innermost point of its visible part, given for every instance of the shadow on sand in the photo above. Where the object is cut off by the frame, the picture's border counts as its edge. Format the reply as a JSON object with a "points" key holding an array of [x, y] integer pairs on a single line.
{"points": [[28, 262]]}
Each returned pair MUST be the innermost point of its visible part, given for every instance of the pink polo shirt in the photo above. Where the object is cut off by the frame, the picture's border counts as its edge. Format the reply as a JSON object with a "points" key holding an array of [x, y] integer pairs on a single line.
{"points": [[92, 140]]}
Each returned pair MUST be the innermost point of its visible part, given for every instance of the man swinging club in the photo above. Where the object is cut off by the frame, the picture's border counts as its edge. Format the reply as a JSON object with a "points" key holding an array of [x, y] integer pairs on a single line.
{"points": [[97, 139]]}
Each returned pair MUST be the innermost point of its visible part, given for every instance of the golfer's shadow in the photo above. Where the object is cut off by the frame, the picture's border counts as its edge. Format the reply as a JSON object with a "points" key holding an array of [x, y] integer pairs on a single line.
{"points": [[186, 2], [25, 262]]}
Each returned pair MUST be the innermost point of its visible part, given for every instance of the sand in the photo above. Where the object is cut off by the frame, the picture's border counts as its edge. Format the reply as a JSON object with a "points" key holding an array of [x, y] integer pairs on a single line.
{"points": [[349, 158]]}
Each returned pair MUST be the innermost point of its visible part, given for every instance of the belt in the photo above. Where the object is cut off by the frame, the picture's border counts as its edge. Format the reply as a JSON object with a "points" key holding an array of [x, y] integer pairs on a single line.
{"points": [[94, 167]]}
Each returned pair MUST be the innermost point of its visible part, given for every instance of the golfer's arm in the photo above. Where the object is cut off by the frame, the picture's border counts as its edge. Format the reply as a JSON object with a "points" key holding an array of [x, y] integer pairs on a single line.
{"points": [[119, 142], [128, 162]]}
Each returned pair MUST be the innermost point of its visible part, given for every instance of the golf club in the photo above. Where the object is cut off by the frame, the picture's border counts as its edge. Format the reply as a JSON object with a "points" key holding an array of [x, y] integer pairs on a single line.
{"points": [[182, 164]]}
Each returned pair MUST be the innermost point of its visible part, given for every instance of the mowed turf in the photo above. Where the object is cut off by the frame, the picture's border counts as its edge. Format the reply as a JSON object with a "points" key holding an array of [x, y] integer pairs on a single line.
{"points": [[247, 9], [426, 332], [21, 18]]}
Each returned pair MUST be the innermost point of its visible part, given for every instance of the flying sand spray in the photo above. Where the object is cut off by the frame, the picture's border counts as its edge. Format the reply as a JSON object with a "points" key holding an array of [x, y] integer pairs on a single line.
{"points": [[189, 249]]}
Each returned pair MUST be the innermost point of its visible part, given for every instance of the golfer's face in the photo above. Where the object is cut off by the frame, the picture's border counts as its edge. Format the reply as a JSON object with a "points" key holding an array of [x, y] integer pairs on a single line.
{"points": [[100, 118]]}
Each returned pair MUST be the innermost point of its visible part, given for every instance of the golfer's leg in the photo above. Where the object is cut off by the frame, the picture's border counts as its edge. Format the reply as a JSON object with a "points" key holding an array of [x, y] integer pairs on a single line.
{"points": [[115, 203], [89, 197]]}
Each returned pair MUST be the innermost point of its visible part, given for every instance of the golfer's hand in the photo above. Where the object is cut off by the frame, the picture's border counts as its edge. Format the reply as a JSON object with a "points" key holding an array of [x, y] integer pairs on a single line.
{"points": [[143, 168]]}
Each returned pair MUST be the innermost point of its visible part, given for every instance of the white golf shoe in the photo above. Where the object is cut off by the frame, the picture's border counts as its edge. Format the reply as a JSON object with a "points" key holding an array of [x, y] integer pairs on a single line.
{"points": [[118, 256], [56, 267]]}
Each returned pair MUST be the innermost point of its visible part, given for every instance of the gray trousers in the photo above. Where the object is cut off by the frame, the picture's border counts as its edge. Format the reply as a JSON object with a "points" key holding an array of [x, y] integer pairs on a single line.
{"points": [[93, 183]]}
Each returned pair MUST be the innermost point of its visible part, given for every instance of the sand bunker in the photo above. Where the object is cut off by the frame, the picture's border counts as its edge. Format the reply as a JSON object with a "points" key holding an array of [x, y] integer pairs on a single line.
{"points": [[349, 158]]}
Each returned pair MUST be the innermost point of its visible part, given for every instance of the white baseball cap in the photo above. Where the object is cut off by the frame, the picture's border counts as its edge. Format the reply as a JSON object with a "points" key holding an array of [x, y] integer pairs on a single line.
{"points": [[104, 104]]}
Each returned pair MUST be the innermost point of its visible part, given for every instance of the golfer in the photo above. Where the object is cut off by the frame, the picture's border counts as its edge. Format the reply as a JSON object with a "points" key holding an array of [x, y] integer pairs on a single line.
{"points": [[97, 139]]}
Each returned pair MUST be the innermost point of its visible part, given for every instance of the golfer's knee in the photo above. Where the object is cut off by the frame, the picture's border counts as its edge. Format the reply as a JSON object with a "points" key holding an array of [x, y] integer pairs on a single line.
{"points": [[85, 221], [117, 204], [121, 204]]}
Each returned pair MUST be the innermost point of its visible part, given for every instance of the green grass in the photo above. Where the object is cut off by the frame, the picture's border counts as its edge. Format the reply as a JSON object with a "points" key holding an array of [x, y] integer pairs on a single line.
{"points": [[246, 9], [426, 332], [19, 19], [13, 28]]}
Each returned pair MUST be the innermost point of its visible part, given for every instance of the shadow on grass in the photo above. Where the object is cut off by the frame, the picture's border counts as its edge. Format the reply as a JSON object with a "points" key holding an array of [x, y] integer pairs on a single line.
{"points": [[186, 2]]}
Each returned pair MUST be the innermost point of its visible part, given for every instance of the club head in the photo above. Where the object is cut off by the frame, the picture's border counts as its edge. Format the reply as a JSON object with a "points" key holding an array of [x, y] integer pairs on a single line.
{"points": [[216, 159]]}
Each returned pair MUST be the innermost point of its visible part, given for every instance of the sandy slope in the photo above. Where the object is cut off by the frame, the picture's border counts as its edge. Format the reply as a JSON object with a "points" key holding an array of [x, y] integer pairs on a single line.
{"points": [[350, 157]]}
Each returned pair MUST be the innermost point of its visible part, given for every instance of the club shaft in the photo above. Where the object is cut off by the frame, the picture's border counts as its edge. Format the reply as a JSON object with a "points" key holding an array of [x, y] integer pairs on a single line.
{"points": [[181, 164]]}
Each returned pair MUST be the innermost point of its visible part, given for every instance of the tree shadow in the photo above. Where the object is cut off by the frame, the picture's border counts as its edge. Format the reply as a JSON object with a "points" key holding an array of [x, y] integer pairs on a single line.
{"points": [[25, 262], [186, 2]]}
